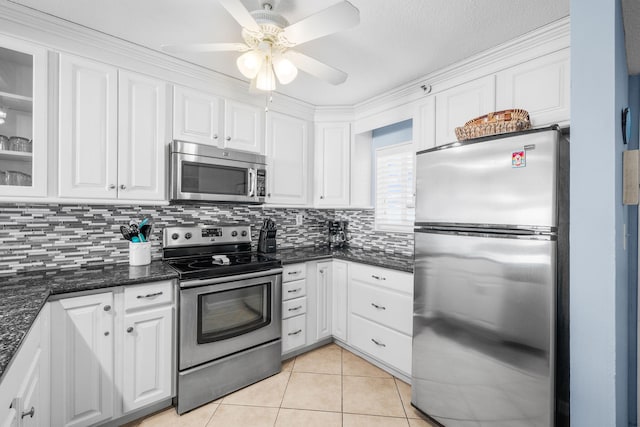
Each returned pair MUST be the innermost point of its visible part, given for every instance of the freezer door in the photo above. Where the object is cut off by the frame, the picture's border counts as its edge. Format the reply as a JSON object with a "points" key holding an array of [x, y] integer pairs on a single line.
{"points": [[506, 181], [483, 344]]}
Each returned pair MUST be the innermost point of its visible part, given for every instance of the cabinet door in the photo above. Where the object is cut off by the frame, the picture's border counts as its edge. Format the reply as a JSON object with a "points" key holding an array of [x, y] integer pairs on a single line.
{"points": [[23, 100], [32, 395], [339, 297], [424, 124], [287, 160], [243, 127], [332, 164], [88, 129], [147, 369], [82, 360], [540, 86], [458, 105], [323, 300], [142, 135], [196, 116]]}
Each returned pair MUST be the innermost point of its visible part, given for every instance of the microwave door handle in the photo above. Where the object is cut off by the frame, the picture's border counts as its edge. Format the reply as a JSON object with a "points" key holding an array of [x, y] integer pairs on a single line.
{"points": [[252, 182]]}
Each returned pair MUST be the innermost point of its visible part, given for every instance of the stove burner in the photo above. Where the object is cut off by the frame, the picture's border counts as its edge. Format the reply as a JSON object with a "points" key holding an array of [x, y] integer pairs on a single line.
{"points": [[208, 266]]}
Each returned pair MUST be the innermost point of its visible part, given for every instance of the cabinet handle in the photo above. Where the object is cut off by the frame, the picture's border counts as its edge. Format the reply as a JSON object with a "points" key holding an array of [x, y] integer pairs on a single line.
{"points": [[130, 329], [295, 308], [378, 343], [112, 186], [228, 138], [31, 413], [321, 197], [155, 294], [106, 334], [123, 187], [269, 195], [294, 272], [215, 136], [293, 291], [379, 307], [107, 308], [378, 277], [295, 333]]}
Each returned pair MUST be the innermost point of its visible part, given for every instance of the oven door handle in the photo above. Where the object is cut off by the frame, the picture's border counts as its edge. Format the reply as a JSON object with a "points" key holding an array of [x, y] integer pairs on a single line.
{"points": [[226, 279]]}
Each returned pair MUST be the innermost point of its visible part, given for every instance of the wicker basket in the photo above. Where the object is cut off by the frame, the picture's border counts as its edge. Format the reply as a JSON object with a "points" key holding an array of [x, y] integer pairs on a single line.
{"points": [[494, 123]]}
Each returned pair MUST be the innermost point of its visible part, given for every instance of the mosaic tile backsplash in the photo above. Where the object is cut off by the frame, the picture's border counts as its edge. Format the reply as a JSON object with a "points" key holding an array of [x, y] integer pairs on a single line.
{"points": [[42, 236]]}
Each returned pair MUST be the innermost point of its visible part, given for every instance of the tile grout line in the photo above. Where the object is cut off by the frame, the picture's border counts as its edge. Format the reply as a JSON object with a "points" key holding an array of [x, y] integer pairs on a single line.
{"points": [[341, 386]]}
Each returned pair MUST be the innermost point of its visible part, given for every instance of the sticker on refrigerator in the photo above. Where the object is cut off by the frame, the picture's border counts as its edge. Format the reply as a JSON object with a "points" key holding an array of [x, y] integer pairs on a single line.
{"points": [[518, 159]]}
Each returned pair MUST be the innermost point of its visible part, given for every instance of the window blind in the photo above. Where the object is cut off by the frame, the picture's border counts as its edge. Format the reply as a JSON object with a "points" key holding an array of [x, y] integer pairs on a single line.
{"points": [[395, 207]]}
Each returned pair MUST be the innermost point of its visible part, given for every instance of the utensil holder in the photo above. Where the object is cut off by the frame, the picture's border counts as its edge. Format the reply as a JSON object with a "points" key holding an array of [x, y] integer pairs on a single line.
{"points": [[139, 253]]}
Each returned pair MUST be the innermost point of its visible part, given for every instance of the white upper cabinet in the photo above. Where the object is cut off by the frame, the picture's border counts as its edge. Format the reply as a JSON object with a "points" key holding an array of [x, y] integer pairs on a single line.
{"points": [[88, 155], [243, 127], [23, 109], [287, 159], [332, 163], [207, 119], [540, 86], [196, 116], [142, 137], [456, 106], [112, 131], [424, 124]]}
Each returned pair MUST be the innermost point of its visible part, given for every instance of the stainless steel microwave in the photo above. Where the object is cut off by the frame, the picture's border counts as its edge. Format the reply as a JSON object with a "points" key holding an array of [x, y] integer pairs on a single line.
{"points": [[201, 172]]}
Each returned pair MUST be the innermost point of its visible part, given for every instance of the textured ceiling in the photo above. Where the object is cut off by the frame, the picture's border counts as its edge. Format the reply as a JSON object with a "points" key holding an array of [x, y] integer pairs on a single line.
{"points": [[395, 42], [631, 10]]}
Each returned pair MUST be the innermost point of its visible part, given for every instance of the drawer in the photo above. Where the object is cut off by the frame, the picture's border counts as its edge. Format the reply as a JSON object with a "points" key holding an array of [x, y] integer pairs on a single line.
{"points": [[148, 294], [391, 279], [294, 307], [293, 272], [294, 333], [383, 306], [384, 344], [294, 289]]}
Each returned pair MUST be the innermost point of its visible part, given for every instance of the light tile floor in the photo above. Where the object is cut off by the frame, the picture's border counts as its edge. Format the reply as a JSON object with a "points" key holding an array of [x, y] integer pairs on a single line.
{"points": [[326, 387]]}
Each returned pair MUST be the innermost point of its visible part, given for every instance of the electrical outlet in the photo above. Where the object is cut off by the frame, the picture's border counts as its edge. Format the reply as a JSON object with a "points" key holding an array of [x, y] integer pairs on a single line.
{"points": [[299, 219]]}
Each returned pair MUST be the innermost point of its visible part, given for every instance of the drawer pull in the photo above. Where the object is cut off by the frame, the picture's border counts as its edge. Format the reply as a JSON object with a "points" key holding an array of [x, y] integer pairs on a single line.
{"points": [[31, 413], [292, 291], [155, 294], [378, 277], [295, 308], [379, 307], [291, 273], [378, 343], [295, 333]]}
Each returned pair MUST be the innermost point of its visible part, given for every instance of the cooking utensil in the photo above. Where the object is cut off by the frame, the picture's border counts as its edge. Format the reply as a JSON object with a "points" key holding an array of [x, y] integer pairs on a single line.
{"points": [[145, 230], [126, 232]]}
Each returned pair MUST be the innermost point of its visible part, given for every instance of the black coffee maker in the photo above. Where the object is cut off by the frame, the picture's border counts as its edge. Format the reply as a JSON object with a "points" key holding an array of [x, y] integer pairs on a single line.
{"points": [[267, 239], [338, 234]]}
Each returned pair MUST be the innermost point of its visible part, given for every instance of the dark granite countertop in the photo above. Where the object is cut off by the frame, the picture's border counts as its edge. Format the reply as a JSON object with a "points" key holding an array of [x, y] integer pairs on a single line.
{"points": [[22, 295], [364, 256]]}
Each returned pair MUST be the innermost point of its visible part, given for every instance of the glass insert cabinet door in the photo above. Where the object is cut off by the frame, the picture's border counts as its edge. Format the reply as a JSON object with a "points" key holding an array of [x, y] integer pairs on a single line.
{"points": [[23, 118]]}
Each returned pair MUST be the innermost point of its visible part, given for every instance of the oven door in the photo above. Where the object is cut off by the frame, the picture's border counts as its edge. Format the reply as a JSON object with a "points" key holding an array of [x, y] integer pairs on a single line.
{"points": [[205, 178], [225, 315]]}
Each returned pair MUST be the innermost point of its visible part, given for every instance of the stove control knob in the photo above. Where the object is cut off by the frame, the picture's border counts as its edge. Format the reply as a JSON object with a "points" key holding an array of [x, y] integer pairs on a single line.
{"points": [[187, 236], [175, 236], [234, 233], [244, 233]]}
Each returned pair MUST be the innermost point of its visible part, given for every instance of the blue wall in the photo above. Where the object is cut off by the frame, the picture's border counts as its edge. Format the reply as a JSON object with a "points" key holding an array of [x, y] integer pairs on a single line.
{"points": [[599, 263], [392, 134]]}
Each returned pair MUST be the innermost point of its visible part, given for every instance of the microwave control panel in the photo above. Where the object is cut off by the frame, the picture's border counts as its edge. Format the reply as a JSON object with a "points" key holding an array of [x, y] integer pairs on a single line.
{"points": [[261, 178]]}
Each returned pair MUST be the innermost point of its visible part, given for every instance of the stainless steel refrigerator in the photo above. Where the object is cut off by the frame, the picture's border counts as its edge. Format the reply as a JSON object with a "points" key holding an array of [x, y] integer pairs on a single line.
{"points": [[490, 280]]}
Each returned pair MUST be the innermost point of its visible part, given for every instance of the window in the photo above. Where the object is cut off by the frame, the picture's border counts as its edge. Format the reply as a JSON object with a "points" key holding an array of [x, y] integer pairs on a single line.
{"points": [[395, 207]]}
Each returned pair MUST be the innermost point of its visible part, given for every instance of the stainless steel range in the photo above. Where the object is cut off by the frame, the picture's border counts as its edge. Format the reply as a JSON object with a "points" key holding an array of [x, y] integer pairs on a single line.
{"points": [[230, 310]]}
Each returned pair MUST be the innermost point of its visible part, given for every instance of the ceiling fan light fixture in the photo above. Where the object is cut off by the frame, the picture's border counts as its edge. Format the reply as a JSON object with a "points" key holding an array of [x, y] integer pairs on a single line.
{"points": [[266, 80], [285, 71], [250, 63]]}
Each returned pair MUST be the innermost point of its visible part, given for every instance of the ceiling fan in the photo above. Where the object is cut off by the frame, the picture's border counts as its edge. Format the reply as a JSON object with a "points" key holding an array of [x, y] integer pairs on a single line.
{"points": [[268, 39]]}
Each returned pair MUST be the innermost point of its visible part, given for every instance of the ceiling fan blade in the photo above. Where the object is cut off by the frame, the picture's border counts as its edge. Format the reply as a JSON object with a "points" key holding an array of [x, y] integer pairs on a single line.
{"points": [[240, 14], [204, 47], [335, 18], [316, 68]]}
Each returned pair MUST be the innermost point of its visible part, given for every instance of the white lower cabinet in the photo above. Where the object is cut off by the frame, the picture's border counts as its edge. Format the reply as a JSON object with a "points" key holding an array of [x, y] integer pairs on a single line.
{"points": [[339, 296], [24, 391], [294, 307], [321, 294], [380, 321], [113, 353]]}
